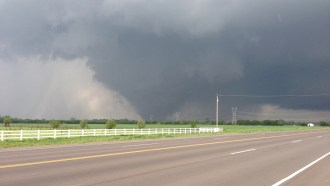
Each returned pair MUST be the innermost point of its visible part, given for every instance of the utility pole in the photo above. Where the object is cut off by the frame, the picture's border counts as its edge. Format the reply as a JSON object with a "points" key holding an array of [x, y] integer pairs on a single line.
{"points": [[234, 117], [217, 112]]}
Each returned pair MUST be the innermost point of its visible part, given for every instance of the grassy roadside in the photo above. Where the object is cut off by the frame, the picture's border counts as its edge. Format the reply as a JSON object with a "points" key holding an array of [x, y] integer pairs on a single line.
{"points": [[236, 129], [82, 140], [228, 129]]}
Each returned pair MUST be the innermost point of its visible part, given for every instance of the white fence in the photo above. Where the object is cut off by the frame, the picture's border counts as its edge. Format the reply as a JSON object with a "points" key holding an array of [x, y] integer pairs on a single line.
{"points": [[69, 133]]}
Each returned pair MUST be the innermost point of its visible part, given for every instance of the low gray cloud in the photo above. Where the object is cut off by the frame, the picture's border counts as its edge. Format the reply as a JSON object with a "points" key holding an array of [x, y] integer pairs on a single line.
{"points": [[166, 56]]}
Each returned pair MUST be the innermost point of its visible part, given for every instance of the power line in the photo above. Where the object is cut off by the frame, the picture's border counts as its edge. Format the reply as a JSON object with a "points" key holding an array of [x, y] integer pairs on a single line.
{"points": [[297, 119], [197, 117], [246, 116], [273, 96], [234, 110], [272, 114]]}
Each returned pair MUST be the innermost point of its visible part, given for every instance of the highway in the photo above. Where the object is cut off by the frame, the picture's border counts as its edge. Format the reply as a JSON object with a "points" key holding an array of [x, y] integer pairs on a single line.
{"points": [[277, 158]]}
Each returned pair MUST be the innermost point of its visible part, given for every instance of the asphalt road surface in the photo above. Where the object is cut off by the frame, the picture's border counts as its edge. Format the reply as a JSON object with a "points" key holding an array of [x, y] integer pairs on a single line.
{"points": [[279, 158]]}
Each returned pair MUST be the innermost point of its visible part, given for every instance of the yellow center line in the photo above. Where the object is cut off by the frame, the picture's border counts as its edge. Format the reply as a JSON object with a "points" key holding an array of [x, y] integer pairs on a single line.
{"points": [[140, 151]]}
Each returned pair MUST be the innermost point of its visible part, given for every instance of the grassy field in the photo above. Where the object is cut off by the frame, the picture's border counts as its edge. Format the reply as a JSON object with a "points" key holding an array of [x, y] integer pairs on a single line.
{"points": [[81, 140], [235, 129], [228, 129]]}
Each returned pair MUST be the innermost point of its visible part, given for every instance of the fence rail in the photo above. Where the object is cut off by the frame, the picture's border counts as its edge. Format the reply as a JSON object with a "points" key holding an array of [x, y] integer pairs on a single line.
{"points": [[69, 133]]}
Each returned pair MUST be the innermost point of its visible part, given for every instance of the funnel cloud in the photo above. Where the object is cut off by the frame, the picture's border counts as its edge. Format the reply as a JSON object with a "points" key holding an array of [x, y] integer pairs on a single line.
{"points": [[155, 58]]}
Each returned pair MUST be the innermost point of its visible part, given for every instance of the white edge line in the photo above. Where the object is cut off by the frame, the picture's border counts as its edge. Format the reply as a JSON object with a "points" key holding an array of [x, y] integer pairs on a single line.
{"points": [[242, 151], [296, 141], [319, 137], [140, 145], [300, 170]]}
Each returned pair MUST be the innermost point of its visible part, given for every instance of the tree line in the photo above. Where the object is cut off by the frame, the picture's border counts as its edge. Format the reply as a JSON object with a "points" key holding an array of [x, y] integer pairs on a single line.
{"points": [[103, 121], [70, 121], [111, 123], [279, 122]]}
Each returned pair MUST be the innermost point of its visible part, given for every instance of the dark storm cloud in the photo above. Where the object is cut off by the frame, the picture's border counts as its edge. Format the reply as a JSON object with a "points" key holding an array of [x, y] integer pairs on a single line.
{"points": [[165, 55]]}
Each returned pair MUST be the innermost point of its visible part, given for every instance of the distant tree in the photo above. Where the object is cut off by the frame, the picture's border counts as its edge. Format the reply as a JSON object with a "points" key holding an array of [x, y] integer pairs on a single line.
{"points": [[55, 123], [7, 121], [323, 123], [141, 124], [83, 123], [222, 123], [281, 122], [111, 123], [194, 123]]}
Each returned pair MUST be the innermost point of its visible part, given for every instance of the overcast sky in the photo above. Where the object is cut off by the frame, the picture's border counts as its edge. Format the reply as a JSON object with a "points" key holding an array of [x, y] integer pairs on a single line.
{"points": [[151, 58]]}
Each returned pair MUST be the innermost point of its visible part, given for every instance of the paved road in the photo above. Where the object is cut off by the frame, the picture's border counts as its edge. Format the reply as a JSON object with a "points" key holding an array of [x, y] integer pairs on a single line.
{"points": [[253, 159]]}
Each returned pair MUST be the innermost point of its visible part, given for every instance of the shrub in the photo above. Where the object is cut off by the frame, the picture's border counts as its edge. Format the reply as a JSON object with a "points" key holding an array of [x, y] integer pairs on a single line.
{"points": [[111, 123], [83, 123], [7, 121], [141, 124], [324, 123], [194, 123], [54, 123]]}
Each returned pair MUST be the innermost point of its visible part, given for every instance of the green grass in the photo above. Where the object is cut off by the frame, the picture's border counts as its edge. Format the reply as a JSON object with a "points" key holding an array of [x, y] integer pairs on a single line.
{"points": [[82, 140], [228, 129], [235, 129]]}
